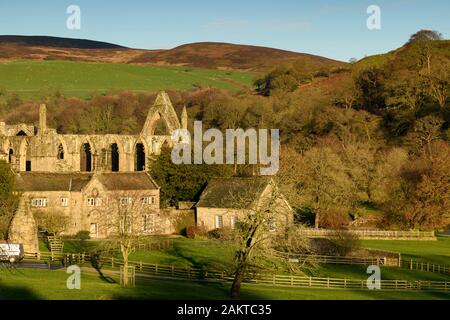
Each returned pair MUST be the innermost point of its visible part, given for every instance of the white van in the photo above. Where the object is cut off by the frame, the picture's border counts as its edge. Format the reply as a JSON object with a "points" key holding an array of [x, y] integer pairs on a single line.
{"points": [[11, 252]]}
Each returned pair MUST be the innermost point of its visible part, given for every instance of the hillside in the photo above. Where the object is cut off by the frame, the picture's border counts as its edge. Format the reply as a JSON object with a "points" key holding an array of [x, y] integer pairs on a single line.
{"points": [[202, 55], [56, 42], [406, 56], [229, 56]]}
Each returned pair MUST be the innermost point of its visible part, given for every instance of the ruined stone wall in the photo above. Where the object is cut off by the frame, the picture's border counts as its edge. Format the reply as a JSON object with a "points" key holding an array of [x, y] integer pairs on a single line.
{"points": [[42, 149]]}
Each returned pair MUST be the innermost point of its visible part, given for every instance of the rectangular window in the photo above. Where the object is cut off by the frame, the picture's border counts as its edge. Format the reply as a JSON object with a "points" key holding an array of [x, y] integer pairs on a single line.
{"points": [[148, 200], [125, 224], [233, 222], [39, 202], [219, 222], [150, 223], [94, 202], [126, 201], [64, 202]]}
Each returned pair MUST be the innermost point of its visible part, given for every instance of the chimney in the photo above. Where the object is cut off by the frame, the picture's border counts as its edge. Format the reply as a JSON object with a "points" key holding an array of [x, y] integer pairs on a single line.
{"points": [[42, 118]]}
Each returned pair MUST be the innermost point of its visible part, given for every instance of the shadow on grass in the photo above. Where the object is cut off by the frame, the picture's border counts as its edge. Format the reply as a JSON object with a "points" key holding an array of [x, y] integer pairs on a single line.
{"points": [[98, 267], [149, 289], [17, 293], [404, 295], [201, 262]]}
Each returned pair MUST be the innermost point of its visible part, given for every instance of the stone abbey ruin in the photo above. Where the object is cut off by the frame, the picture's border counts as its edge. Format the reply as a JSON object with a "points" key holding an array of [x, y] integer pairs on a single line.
{"points": [[31, 148]]}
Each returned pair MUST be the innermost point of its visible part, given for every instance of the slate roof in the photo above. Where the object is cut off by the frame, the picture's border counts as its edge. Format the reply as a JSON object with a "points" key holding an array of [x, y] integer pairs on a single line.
{"points": [[36, 181], [127, 181], [233, 193], [32, 181]]}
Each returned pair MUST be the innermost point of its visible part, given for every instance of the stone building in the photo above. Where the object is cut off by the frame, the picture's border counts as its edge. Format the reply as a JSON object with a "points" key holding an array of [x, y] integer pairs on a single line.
{"points": [[225, 201], [77, 175], [87, 199]]}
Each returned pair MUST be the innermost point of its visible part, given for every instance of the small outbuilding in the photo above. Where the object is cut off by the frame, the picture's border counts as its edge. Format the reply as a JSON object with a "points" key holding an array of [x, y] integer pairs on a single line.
{"points": [[225, 201]]}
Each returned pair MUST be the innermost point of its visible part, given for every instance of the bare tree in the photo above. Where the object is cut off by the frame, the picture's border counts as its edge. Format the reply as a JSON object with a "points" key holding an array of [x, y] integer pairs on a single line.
{"points": [[127, 218], [260, 224], [325, 182], [426, 131], [53, 222], [438, 83]]}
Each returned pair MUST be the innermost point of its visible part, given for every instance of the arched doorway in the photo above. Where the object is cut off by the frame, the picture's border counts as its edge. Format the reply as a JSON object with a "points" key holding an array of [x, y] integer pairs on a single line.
{"points": [[86, 158], [10, 155], [140, 158], [115, 158]]}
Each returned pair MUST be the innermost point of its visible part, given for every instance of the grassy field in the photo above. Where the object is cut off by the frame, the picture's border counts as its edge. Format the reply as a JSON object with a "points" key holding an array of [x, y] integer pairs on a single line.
{"points": [[218, 255], [28, 284], [427, 251], [31, 79]]}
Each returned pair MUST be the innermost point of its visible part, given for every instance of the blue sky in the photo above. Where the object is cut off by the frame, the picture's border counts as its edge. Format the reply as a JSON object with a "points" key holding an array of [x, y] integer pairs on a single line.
{"points": [[331, 28]]}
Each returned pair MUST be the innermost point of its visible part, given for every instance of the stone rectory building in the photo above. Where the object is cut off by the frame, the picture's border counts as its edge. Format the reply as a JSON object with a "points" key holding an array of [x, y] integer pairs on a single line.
{"points": [[76, 174]]}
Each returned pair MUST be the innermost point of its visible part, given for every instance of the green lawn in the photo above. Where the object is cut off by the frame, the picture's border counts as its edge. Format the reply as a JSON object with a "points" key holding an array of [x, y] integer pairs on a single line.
{"points": [[427, 251], [218, 255], [51, 285], [31, 79]]}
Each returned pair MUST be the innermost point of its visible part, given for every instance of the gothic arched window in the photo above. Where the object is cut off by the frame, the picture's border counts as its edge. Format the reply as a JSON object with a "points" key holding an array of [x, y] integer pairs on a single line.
{"points": [[60, 152]]}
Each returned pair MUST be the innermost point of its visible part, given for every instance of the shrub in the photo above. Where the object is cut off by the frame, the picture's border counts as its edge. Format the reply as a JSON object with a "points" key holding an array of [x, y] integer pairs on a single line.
{"points": [[221, 234], [334, 218], [321, 74], [193, 232], [83, 235], [345, 242]]}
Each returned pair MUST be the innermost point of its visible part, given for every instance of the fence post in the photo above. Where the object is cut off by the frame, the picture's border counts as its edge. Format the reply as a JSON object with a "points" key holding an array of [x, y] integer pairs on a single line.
{"points": [[328, 283], [292, 280], [112, 262], [173, 270], [140, 266], [156, 268]]}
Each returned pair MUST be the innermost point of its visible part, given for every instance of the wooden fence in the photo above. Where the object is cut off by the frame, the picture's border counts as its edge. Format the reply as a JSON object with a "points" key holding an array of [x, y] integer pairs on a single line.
{"points": [[275, 280], [371, 234], [318, 259], [425, 266]]}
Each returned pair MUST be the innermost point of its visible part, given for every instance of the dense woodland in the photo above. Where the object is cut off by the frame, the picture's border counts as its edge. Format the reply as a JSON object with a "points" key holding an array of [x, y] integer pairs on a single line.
{"points": [[369, 138]]}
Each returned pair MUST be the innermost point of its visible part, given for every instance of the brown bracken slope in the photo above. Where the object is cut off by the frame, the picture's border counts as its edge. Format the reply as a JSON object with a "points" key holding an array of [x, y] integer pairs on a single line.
{"points": [[228, 56], [202, 55]]}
